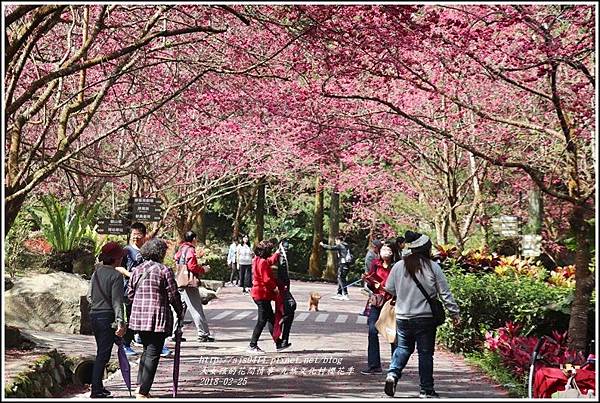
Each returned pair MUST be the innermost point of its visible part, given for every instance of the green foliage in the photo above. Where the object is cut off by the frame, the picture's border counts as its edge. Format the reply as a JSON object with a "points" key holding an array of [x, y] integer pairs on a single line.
{"points": [[491, 363], [63, 225], [218, 269], [14, 248], [488, 301]]}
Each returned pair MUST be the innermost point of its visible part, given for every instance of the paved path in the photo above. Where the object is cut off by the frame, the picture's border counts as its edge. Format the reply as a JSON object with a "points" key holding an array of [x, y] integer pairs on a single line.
{"points": [[327, 353]]}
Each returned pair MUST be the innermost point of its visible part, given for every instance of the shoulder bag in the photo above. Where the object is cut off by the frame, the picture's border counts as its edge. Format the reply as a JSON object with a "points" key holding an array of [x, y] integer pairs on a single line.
{"points": [[439, 315]]}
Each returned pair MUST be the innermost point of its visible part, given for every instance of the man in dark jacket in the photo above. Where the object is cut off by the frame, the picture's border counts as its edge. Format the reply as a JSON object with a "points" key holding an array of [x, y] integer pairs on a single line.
{"points": [[343, 251]]}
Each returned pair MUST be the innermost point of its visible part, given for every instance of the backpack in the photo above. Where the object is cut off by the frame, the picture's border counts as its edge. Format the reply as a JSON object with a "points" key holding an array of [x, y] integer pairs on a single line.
{"points": [[184, 277], [348, 258]]}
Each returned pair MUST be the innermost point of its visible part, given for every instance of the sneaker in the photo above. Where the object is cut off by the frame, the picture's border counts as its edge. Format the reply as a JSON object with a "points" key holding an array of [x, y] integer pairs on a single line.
{"points": [[371, 371], [206, 338], [129, 351], [142, 396], [337, 296], [255, 350], [102, 395], [173, 339], [282, 346], [166, 352], [344, 298], [428, 394], [390, 385]]}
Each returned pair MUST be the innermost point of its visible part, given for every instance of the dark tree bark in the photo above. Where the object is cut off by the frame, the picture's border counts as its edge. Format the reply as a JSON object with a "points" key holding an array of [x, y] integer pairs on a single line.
{"points": [[314, 263], [334, 230]]}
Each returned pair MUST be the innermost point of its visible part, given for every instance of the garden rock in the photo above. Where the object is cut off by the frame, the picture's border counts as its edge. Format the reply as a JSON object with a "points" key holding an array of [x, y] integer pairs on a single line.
{"points": [[49, 302], [207, 295]]}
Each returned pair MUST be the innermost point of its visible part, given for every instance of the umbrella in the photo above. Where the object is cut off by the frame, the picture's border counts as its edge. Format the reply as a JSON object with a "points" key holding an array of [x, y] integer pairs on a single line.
{"points": [[178, 333], [123, 363]]}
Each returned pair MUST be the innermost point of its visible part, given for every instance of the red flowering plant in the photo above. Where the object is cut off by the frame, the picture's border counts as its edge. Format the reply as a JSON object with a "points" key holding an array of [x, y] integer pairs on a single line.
{"points": [[516, 350], [478, 260], [447, 251], [38, 246], [562, 277]]}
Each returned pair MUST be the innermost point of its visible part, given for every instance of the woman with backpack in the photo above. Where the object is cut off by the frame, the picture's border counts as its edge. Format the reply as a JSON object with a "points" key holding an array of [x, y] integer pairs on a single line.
{"points": [[186, 259]]}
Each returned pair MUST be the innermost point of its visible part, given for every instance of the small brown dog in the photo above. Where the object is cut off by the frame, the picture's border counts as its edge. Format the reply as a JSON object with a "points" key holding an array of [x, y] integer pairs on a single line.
{"points": [[313, 301]]}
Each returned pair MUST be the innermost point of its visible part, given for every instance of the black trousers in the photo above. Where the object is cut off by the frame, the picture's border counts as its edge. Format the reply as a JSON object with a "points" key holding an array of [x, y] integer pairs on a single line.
{"points": [[128, 337], [343, 270], [245, 276], [153, 343], [265, 315]]}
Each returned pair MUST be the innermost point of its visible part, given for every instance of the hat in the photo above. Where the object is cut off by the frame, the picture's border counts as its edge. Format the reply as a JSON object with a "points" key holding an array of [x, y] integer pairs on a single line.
{"points": [[377, 243], [111, 251], [415, 243]]}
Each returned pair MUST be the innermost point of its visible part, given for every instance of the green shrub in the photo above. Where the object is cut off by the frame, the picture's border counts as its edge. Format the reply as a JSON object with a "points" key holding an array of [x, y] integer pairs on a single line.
{"points": [[218, 269], [14, 248], [63, 225], [488, 301], [491, 363]]}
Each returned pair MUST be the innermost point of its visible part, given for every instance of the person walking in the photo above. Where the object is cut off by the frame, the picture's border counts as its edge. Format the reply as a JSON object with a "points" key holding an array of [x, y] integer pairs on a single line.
{"points": [[414, 318], [372, 254], [344, 260], [107, 315], [132, 258], [244, 262], [232, 262], [285, 304], [153, 288], [376, 279], [264, 290], [186, 255]]}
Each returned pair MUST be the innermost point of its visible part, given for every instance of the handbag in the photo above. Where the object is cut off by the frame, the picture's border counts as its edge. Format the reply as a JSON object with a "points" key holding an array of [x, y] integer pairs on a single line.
{"points": [[377, 300], [184, 277], [386, 324], [437, 309]]}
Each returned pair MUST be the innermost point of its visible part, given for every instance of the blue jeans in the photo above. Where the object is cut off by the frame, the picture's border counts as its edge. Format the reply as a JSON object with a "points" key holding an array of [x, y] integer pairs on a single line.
{"points": [[422, 332], [373, 356], [105, 338]]}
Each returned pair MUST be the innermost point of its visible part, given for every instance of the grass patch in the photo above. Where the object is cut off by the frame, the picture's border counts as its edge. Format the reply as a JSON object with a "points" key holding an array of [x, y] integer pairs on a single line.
{"points": [[491, 364]]}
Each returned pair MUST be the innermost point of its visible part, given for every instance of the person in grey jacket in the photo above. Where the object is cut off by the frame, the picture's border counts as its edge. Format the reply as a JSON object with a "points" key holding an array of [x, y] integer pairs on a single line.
{"points": [[105, 296], [414, 319]]}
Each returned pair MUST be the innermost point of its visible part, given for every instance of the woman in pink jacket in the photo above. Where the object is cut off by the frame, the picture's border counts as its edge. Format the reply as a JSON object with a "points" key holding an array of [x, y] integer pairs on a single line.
{"points": [[264, 290]]}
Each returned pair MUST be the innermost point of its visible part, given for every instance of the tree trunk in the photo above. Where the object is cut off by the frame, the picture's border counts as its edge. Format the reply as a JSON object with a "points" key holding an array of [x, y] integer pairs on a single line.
{"points": [[584, 281], [314, 263], [202, 227], [334, 229], [11, 210], [536, 211], [260, 212]]}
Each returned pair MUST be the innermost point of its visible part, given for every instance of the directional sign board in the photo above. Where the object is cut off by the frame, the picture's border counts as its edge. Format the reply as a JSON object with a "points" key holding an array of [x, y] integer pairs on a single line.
{"points": [[114, 226], [508, 226], [145, 200], [146, 208], [531, 245]]}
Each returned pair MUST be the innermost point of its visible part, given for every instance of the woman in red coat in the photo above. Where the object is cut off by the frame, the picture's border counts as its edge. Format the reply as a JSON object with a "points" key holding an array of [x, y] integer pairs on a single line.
{"points": [[264, 290]]}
